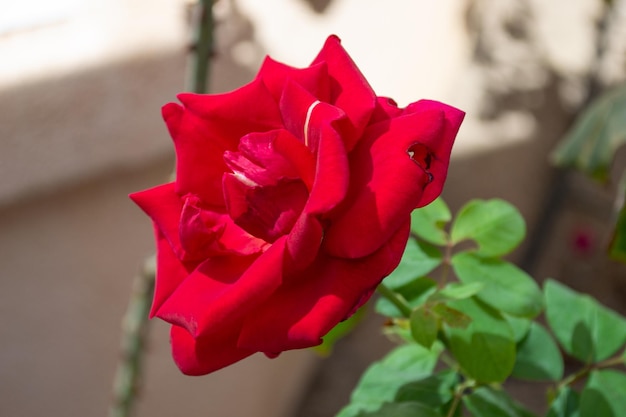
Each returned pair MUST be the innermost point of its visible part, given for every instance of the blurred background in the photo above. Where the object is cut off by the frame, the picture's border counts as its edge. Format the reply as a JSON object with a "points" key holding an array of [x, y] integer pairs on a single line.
{"points": [[81, 86]]}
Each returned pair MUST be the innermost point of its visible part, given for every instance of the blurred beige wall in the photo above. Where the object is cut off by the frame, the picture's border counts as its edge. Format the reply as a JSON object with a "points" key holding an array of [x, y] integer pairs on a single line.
{"points": [[80, 128]]}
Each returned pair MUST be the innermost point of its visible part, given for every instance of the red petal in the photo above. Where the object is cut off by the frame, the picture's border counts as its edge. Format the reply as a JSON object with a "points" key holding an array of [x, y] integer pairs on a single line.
{"points": [[164, 207], [350, 91], [386, 108], [313, 79], [207, 126], [170, 272], [223, 289], [200, 229], [311, 304], [332, 173], [440, 145], [304, 242], [387, 183], [267, 212], [206, 354]]}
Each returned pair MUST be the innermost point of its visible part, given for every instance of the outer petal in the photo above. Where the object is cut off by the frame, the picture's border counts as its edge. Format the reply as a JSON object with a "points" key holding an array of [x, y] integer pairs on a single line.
{"points": [[388, 181], [223, 289], [386, 109], [207, 126], [313, 79], [170, 273], [164, 207], [327, 292], [441, 145], [350, 91], [206, 354]]}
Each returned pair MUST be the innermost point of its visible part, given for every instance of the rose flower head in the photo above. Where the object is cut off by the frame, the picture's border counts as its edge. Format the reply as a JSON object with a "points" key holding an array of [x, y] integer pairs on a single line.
{"points": [[291, 203]]}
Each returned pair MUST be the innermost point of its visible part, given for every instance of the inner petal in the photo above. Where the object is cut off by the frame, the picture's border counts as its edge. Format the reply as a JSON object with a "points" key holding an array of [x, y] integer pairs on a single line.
{"points": [[267, 212]]}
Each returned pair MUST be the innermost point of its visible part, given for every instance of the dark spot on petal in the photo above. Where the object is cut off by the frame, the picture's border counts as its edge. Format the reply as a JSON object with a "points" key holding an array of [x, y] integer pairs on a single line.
{"points": [[423, 156]]}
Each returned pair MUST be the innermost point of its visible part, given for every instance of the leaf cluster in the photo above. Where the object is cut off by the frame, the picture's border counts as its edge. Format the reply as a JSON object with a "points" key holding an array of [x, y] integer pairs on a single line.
{"points": [[470, 320]]}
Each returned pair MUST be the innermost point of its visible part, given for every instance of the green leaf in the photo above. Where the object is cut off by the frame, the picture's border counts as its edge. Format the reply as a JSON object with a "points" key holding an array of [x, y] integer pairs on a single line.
{"points": [[487, 402], [424, 326], [419, 259], [566, 404], [382, 380], [339, 331], [506, 287], [520, 326], [404, 409], [538, 357], [434, 391], [585, 329], [485, 349], [617, 247], [594, 139], [450, 316], [429, 222], [604, 395], [495, 225], [415, 293], [457, 291]]}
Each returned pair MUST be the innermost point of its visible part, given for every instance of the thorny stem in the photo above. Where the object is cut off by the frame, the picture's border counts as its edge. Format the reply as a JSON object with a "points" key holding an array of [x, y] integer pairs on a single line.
{"points": [[202, 47], [135, 322], [396, 299], [134, 335]]}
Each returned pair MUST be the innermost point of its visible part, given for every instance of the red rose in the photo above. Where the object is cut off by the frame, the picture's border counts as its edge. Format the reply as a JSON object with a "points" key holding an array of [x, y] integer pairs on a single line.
{"points": [[291, 203]]}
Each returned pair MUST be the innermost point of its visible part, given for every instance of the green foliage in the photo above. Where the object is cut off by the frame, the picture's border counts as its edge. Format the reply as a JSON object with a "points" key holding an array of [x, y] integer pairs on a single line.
{"points": [[604, 395], [474, 322], [595, 137], [405, 409], [566, 404], [339, 331], [485, 350], [590, 147], [435, 391], [495, 225], [415, 293], [429, 222], [584, 328], [617, 248], [487, 402], [419, 259], [383, 379], [505, 286], [424, 326], [538, 356]]}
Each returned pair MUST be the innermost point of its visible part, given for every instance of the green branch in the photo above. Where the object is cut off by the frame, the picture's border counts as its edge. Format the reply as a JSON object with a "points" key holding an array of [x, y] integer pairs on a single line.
{"points": [[135, 322], [577, 376], [396, 299], [202, 48], [134, 335]]}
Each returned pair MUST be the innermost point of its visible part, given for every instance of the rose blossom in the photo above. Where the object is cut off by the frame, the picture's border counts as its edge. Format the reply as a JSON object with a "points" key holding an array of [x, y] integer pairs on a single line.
{"points": [[291, 203]]}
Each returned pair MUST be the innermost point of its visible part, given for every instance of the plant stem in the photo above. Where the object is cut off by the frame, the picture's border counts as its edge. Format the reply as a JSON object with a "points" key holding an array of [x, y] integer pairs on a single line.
{"points": [[134, 335], [577, 376], [135, 321], [455, 403], [458, 395], [447, 262], [202, 48], [396, 299]]}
